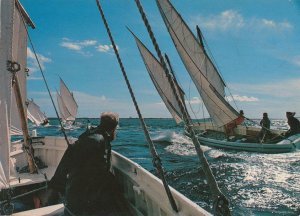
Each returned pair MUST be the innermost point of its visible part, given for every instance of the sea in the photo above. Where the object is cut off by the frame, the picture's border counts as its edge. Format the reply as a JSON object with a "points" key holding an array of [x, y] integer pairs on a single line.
{"points": [[254, 183]]}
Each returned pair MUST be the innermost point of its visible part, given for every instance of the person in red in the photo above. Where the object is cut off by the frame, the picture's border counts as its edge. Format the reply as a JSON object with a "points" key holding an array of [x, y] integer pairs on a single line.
{"points": [[229, 127]]}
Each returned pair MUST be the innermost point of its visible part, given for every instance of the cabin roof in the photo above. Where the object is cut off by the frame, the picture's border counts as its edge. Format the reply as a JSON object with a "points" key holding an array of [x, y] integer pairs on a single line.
{"points": [[25, 14]]}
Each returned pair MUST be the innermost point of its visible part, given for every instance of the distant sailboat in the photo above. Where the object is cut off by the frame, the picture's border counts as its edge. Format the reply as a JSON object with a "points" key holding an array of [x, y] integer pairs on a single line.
{"points": [[66, 103], [35, 115]]}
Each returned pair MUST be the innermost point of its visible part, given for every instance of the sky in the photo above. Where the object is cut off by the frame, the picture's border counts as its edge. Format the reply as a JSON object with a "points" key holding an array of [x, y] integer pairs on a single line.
{"points": [[254, 43]]}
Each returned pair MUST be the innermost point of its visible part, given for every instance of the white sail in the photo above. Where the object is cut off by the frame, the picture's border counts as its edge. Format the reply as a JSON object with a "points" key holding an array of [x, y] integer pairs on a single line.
{"points": [[35, 114], [63, 111], [68, 104], [160, 81], [201, 69], [13, 48]]}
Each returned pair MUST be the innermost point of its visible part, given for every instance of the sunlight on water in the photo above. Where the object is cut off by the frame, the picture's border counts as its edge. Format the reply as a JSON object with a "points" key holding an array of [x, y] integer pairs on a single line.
{"points": [[255, 183]]}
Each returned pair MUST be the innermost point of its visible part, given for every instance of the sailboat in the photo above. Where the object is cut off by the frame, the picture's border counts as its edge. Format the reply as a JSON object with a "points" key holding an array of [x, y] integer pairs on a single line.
{"points": [[144, 192], [35, 115], [211, 88], [66, 104]]}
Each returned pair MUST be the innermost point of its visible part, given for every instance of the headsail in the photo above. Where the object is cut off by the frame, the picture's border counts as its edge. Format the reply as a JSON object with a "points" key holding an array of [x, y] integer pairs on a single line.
{"points": [[35, 114], [66, 103], [13, 43], [160, 81], [201, 69]]}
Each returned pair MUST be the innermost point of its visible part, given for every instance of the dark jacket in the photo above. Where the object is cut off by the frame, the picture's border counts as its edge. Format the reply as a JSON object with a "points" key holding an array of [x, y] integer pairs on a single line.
{"points": [[89, 186], [294, 126], [265, 123]]}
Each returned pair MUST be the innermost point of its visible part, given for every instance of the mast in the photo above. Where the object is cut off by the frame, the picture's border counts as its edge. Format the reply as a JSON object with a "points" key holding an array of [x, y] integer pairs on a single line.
{"points": [[220, 201], [24, 123]]}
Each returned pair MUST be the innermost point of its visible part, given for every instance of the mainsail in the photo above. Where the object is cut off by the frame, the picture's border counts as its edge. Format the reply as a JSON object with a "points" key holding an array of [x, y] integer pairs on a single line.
{"points": [[160, 80], [35, 114], [200, 67], [66, 103], [13, 53]]}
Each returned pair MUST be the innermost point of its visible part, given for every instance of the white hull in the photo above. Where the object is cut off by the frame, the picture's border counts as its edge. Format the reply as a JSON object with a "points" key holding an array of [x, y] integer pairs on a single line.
{"points": [[144, 192], [287, 145], [281, 147]]}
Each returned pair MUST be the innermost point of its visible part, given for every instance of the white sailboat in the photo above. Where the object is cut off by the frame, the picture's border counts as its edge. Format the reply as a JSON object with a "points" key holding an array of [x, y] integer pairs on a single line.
{"points": [[66, 103], [35, 115], [144, 192], [211, 88]]}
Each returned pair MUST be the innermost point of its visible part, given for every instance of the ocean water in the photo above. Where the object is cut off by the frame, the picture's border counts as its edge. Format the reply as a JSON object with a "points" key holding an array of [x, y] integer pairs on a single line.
{"points": [[255, 183]]}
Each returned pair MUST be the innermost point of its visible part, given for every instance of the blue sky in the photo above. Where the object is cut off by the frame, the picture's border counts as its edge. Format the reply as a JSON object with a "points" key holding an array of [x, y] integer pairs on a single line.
{"points": [[255, 44]]}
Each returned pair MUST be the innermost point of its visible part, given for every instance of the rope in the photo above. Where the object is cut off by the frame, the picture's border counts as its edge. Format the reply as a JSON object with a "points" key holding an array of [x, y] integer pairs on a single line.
{"points": [[218, 197], [156, 159], [48, 89]]}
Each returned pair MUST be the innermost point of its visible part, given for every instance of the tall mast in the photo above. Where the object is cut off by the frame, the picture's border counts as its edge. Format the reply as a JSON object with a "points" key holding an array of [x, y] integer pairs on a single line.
{"points": [[14, 67]]}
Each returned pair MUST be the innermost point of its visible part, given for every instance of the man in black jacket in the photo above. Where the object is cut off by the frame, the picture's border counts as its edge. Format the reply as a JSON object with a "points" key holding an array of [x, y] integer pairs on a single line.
{"points": [[293, 123], [90, 188]]}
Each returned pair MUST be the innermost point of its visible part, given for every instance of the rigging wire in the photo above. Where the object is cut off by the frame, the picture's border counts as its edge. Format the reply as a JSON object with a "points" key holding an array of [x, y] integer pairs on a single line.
{"points": [[220, 201], [156, 159]]}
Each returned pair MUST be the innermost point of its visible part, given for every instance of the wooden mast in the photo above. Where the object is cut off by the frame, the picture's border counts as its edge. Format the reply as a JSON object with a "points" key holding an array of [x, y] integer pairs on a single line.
{"points": [[14, 68]]}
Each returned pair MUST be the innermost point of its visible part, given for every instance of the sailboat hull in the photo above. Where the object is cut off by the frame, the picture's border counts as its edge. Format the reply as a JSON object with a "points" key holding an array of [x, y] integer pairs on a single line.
{"points": [[281, 147], [144, 191]]}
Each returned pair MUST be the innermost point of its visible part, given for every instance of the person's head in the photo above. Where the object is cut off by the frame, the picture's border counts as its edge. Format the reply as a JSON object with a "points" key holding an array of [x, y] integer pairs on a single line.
{"points": [[241, 112], [109, 122], [290, 114], [265, 115]]}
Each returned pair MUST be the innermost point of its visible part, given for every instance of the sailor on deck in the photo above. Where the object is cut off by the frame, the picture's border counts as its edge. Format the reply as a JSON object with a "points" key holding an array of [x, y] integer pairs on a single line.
{"points": [[293, 123], [265, 124], [90, 187]]}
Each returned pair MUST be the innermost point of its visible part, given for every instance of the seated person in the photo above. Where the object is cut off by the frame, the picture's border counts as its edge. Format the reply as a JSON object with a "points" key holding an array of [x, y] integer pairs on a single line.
{"points": [[229, 127], [293, 123]]}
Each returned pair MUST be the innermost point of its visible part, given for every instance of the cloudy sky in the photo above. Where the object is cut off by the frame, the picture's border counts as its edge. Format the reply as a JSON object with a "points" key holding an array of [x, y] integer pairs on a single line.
{"points": [[255, 44]]}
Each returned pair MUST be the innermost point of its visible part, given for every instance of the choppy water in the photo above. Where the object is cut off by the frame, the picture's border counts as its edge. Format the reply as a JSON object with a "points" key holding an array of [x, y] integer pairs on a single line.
{"points": [[255, 183]]}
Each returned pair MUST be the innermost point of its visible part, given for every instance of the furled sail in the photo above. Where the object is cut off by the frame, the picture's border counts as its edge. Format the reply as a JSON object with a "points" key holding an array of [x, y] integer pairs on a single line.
{"points": [[68, 102], [160, 81], [200, 67], [35, 114], [13, 43]]}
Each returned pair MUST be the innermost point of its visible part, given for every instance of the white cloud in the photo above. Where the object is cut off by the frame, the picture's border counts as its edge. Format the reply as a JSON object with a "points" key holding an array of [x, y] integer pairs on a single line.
{"points": [[226, 20], [241, 98], [233, 20], [105, 48], [284, 88], [71, 45], [87, 43], [32, 62], [78, 46]]}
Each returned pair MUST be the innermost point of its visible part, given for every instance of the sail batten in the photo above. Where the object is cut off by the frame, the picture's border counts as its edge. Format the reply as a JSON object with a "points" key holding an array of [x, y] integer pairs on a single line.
{"points": [[200, 67], [160, 81]]}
